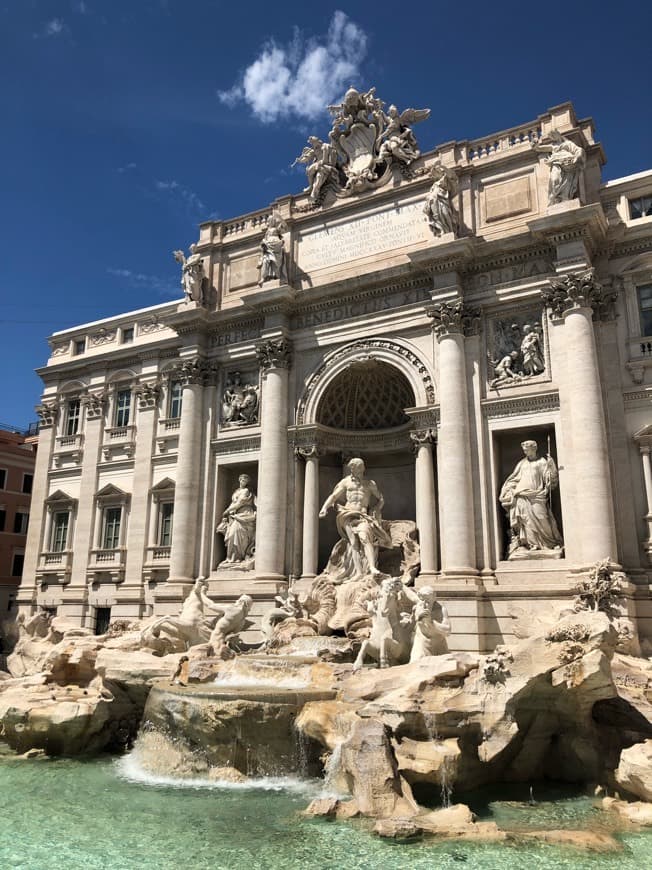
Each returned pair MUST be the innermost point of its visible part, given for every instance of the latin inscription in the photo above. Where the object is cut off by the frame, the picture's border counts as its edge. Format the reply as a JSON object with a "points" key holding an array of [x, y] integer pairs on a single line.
{"points": [[506, 274], [236, 336], [363, 237], [335, 313]]}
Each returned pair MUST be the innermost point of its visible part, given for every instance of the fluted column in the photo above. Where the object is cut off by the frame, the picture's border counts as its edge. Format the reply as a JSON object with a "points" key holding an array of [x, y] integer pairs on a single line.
{"points": [[310, 512], [274, 356], [574, 299], [451, 322], [426, 512], [193, 376]]}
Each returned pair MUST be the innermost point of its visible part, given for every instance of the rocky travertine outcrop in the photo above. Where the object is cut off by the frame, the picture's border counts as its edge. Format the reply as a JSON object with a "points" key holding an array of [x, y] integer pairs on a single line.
{"points": [[73, 693], [634, 773]]}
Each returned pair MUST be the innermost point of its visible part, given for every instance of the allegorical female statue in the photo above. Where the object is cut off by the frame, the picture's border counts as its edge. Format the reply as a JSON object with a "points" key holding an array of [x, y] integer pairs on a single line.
{"points": [[438, 207], [525, 496], [238, 526], [566, 161], [272, 250]]}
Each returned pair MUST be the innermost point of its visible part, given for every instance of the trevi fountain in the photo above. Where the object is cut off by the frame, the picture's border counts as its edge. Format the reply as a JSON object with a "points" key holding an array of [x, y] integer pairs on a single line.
{"points": [[337, 703]]}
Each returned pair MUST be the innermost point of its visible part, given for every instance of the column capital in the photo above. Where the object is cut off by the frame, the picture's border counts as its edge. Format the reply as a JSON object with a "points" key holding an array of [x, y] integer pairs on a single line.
{"points": [[309, 451], [148, 393], [423, 437], [195, 370], [95, 404], [48, 414], [454, 317], [579, 290], [274, 353]]}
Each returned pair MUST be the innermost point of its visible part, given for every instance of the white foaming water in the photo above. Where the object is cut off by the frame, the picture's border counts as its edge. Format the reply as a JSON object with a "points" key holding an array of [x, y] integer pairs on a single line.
{"points": [[129, 767], [233, 680]]}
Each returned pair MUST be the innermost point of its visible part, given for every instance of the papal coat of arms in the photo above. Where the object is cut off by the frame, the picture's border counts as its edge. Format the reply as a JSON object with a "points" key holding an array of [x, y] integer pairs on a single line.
{"points": [[364, 142]]}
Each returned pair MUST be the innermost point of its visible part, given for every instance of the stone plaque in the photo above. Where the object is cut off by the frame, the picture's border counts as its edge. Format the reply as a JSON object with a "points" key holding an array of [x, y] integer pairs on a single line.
{"points": [[242, 272], [507, 198], [397, 226]]}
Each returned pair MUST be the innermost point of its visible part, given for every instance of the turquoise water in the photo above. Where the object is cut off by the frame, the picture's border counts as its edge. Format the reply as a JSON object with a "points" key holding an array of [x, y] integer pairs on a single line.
{"points": [[64, 815]]}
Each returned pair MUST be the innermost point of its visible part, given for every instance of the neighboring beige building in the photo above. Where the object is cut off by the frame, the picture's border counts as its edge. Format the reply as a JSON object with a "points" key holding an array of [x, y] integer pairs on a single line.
{"points": [[17, 458], [431, 344]]}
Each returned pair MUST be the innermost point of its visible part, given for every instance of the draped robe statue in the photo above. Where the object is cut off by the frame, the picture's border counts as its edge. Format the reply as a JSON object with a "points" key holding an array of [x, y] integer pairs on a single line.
{"points": [[525, 495]]}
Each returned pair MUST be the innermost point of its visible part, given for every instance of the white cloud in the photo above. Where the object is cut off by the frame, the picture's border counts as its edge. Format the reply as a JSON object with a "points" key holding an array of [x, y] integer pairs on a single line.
{"points": [[127, 167], [82, 8], [143, 281], [187, 196], [301, 78], [54, 27]]}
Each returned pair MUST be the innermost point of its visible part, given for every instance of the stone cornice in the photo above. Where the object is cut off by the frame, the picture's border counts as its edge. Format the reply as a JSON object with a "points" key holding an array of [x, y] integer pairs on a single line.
{"points": [[586, 222], [519, 405], [359, 443], [445, 257], [247, 444]]}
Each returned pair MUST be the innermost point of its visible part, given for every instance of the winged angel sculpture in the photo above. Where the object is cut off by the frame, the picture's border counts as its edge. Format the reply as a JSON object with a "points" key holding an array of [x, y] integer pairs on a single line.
{"points": [[362, 146]]}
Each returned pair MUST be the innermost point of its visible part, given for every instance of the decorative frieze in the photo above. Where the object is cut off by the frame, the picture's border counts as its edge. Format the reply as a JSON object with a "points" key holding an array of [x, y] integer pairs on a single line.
{"points": [[579, 290], [418, 437], [274, 353], [102, 336], [454, 317]]}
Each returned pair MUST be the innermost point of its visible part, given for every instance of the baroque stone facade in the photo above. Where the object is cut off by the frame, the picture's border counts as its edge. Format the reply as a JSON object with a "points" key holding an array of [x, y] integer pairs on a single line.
{"points": [[428, 311]]}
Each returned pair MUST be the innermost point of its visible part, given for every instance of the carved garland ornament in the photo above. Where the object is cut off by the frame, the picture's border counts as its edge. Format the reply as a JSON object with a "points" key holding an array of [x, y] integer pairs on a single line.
{"points": [[48, 413], [95, 404], [364, 345]]}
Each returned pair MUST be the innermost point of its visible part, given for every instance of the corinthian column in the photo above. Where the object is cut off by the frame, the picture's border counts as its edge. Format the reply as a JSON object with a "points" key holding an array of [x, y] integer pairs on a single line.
{"points": [[193, 376], [575, 299], [424, 478], [275, 357], [451, 322], [310, 512]]}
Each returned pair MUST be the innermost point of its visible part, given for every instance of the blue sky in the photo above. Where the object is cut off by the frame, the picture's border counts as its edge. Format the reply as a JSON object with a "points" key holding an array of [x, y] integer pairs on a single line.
{"points": [[124, 123]]}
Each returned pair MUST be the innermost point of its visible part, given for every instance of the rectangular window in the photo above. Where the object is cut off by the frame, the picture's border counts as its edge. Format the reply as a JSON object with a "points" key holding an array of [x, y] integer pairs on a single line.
{"points": [[3, 478], [122, 408], [60, 523], [3, 517], [17, 564], [640, 207], [645, 307], [111, 536], [73, 414], [79, 346], [166, 514], [21, 519], [176, 396], [128, 335], [28, 479]]}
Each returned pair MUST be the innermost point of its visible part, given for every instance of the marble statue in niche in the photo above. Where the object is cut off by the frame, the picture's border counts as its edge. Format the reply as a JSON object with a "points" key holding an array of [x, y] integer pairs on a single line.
{"points": [[359, 524], [238, 527], [272, 265], [240, 402], [192, 274], [526, 497], [438, 207], [566, 161], [517, 351]]}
